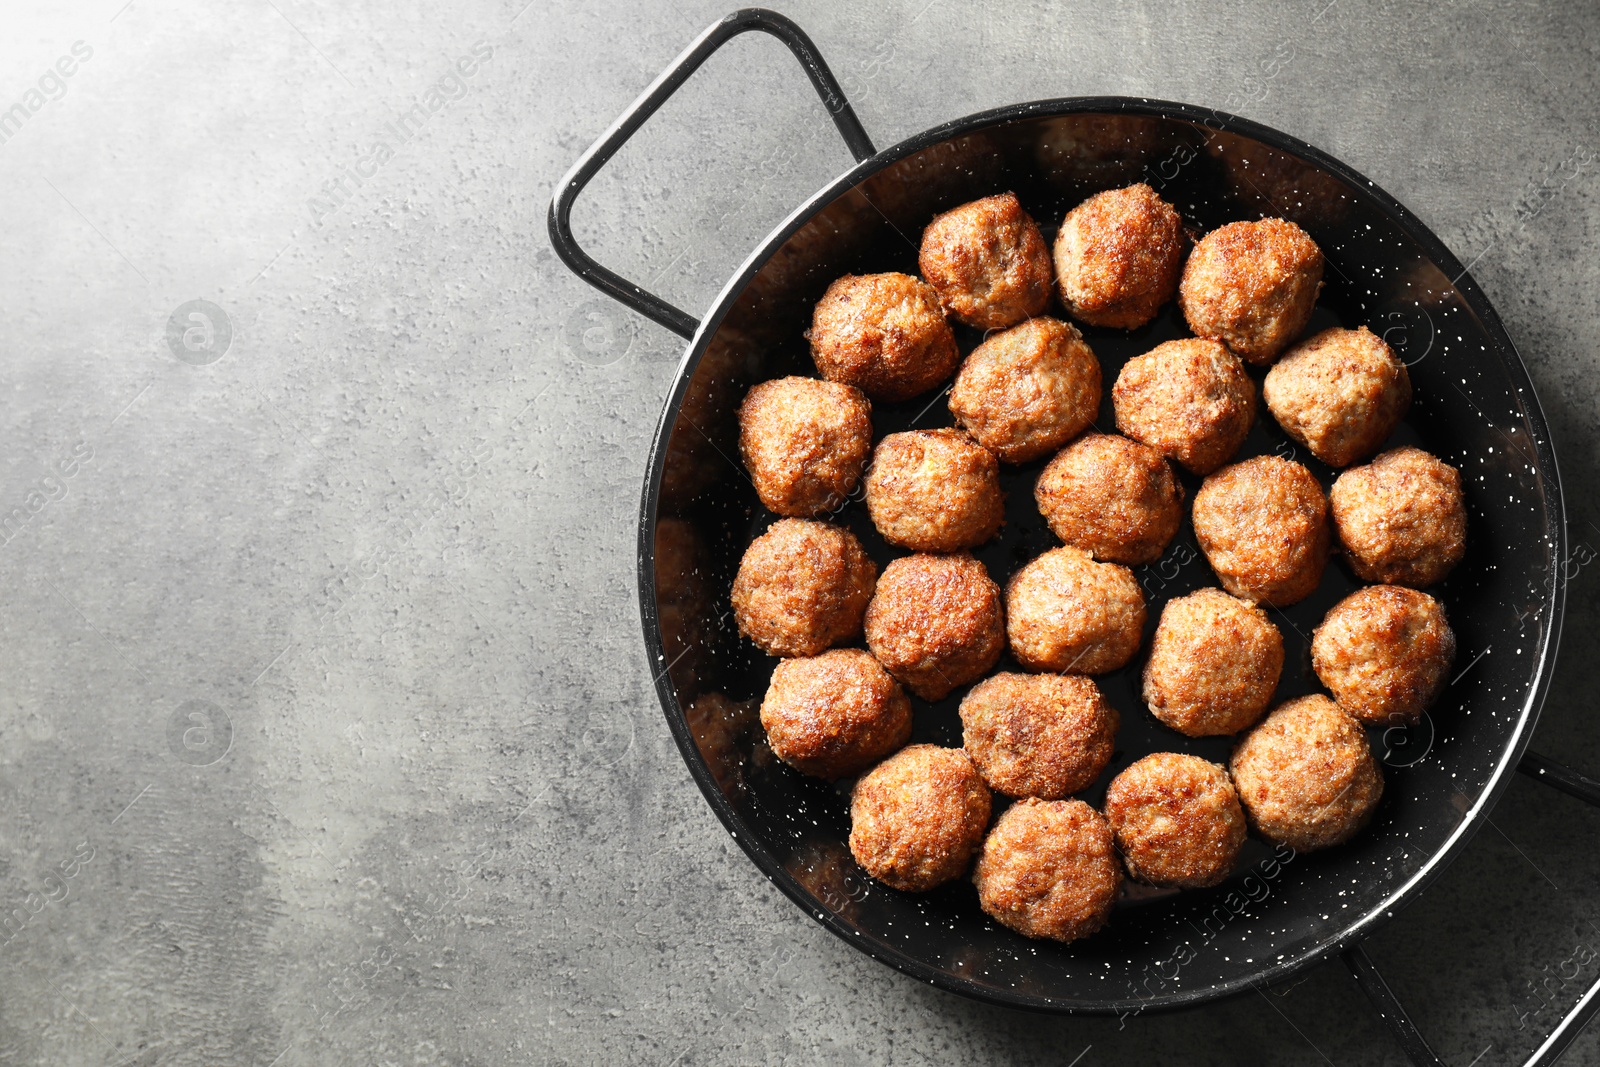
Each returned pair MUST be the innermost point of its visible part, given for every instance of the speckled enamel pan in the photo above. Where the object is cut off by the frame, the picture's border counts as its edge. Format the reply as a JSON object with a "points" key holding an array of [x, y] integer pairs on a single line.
{"points": [[1475, 408]]}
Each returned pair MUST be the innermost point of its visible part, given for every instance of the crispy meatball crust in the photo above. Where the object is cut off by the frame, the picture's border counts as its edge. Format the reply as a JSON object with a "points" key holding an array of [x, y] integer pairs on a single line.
{"points": [[1065, 612], [1049, 869], [834, 715], [1190, 400], [1384, 652], [1117, 257], [1027, 391], [885, 334], [1038, 735], [1401, 518], [917, 817], [934, 491], [1340, 394], [988, 261], [1263, 526], [1177, 820], [804, 443], [802, 587], [1252, 286], [1214, 664], [936, 622], [1114, 498], [1306, 776]]}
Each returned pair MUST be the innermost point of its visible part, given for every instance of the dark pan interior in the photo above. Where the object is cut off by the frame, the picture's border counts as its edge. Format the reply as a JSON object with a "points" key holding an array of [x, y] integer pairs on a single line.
{"points": [[1474, 407]]}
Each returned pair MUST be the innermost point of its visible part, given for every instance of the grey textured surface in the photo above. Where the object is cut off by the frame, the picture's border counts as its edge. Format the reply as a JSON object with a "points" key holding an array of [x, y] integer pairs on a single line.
{"points": [[326, 735]]}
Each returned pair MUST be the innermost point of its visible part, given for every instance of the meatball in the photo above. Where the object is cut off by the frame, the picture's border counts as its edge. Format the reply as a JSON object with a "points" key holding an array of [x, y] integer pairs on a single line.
{"points": [[936, 622], [802, 587], [1038, 735], [1177, 820], [1049, 869], [1027, 391], [1214, 664], [1401, 518], [1306, 776], [917, 817], [1384, 652], [1252, 286], [1263, 526], [885, 334], [934, 491], [1065, 612], [1339, 394], [1190, 400], [988, 261], [1117, 257], [834, 715], [804, 443], [1114, 498]]}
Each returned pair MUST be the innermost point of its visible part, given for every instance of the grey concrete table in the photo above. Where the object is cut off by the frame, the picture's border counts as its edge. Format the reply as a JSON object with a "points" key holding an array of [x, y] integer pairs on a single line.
{"points": [[326, 736]]}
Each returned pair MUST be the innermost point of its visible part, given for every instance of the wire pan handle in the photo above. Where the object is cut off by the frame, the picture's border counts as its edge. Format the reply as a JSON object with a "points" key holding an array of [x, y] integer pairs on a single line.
{"points": [[599, 154], [1557, 776]]}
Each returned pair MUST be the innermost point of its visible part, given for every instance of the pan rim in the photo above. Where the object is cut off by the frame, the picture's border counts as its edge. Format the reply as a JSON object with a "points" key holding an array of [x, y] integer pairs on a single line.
{"points": [[1359, 927]]}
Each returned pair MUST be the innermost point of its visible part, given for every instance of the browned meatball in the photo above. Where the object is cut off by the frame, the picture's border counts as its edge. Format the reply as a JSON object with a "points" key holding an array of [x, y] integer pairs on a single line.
{"points": [[802, 587], [885, 334], [1038, 735], [834, 715], [1065, 612], [1263, 526], [1114, 498], [934, 491], [1252, 286], [804, 443], [1049, 869], [1190, 400], [936, 622], [1401, 518], [1306, 776], [1027, 391], [988, 261], [1384, 652], [1340, 393], [1177, 820], [1117, 257], [1214, 664], [917, 817]]}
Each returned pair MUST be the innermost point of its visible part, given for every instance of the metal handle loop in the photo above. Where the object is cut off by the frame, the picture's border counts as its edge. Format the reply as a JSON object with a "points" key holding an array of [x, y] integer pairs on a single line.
{"points": [[600, 153]]}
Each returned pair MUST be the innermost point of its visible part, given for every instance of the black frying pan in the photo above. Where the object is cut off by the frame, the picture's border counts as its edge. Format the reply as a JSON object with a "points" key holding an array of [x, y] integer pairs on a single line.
{"points": [[1475, 407]]}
